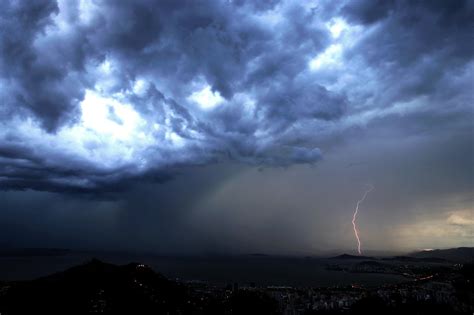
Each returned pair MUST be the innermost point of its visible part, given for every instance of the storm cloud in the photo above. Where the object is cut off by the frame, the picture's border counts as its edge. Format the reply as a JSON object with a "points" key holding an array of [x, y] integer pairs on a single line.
{"points": [[113, 99], [95, 94]]}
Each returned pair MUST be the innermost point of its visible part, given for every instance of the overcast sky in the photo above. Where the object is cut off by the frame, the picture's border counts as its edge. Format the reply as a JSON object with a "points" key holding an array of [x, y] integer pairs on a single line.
{"points": [[236, 126]]}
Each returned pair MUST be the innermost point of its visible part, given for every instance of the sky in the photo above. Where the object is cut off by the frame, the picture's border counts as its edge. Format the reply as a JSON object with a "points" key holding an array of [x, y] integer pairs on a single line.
{"points": [[190, 127]]}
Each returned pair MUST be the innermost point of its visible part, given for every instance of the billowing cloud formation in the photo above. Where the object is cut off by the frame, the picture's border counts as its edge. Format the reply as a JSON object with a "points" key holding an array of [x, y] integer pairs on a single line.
{"points": [[97, 94]]}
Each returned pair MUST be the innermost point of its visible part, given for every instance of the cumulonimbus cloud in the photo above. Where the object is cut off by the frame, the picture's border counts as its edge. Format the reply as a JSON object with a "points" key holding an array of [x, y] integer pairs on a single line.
{"points": [[97, 94]]}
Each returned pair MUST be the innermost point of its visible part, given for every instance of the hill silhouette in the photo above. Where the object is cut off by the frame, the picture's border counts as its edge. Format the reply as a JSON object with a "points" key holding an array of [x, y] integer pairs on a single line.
{"points": [[98, 287]]}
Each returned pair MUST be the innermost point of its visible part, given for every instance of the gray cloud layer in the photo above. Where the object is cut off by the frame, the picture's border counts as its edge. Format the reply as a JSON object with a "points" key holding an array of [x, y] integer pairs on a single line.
{"points": [[285, 81]]}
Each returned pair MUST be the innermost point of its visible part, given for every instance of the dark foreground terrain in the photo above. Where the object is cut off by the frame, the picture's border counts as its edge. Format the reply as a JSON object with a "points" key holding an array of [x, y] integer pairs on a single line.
{"points": [[98, 287]]}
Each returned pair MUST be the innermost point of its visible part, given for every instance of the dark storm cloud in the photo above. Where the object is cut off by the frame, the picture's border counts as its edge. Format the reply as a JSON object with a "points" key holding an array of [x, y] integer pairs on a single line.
{"points": [[273, 109], [47, 53], [33, 78], [416, 46]]}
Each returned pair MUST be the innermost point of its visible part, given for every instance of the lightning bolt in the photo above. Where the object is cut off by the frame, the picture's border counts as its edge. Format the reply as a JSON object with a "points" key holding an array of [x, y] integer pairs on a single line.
{"points": [[354, 217]]}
